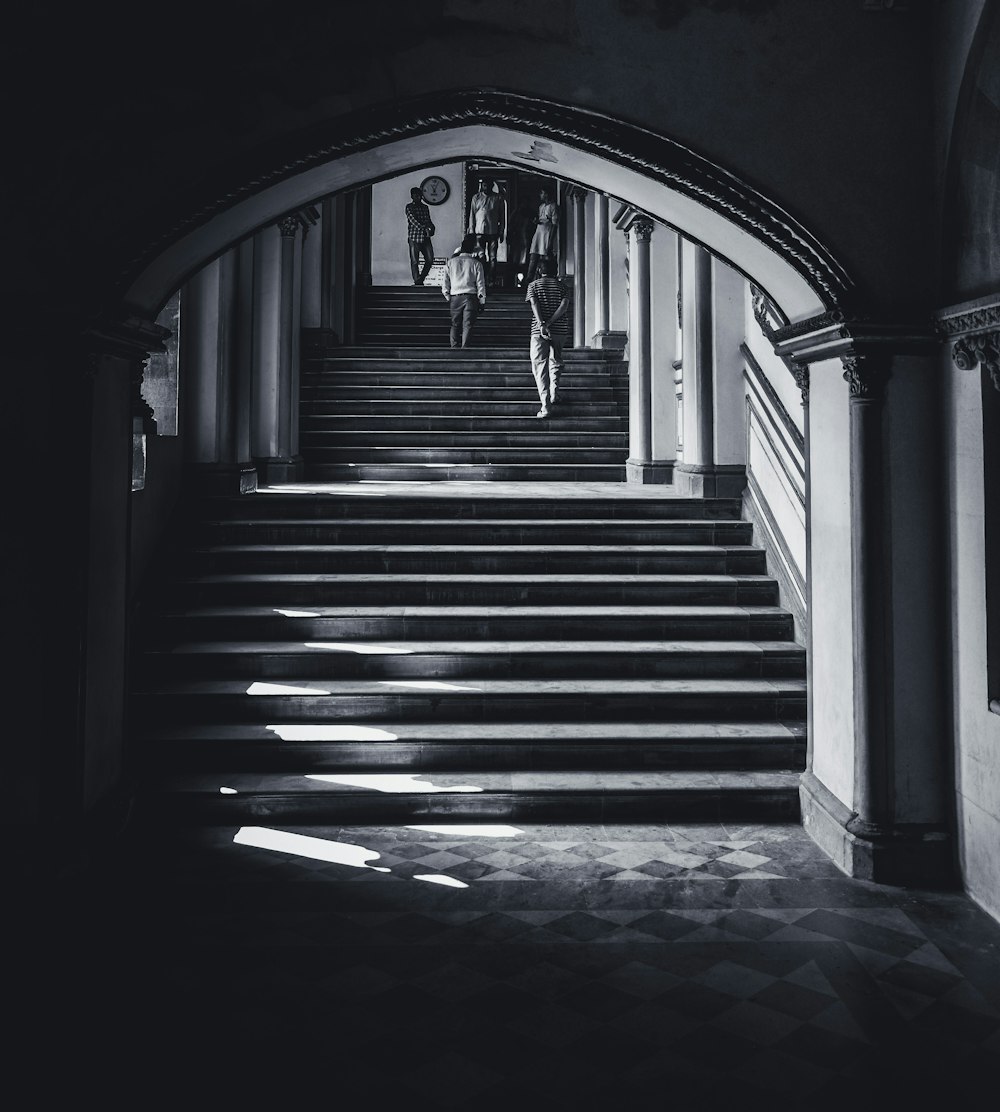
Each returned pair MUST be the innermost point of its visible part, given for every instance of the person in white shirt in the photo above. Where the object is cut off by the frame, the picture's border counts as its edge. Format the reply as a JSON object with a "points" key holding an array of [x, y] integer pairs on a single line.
{"points": [[464, 288], [487, 220]]}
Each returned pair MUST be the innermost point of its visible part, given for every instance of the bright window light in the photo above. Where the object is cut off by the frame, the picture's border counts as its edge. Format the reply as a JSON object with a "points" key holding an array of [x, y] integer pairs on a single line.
{"points": [[438, 878], [391, 782], [302, 845], [306, 732], [362, 649], [260, 688]]}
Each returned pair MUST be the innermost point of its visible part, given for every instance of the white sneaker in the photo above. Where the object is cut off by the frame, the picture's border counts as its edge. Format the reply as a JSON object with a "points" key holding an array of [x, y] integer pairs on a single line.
{"points": [[543, 412]]}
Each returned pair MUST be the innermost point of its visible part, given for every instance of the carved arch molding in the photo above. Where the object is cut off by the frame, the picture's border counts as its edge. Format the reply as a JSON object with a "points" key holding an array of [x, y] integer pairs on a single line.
{"points": [[646, 152]]}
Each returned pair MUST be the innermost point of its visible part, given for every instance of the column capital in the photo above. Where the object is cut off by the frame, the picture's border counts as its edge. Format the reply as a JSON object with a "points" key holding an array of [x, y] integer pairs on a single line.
{"points": [[866, 375], [979, 348], [643, 230], [801, 376], [289, 225]]}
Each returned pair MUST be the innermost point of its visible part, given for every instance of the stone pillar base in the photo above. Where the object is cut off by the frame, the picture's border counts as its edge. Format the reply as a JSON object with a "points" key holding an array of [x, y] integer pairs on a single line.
{"points": [[223, 478], [279, 469], [710, 480], [649, 472], [609, 341], [916, 855]]}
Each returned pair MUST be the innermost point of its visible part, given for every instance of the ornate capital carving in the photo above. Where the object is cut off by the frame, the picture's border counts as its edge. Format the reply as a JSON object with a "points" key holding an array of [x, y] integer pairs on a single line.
{"points": [[289, 225], [979, 348], [643, 230], [866, 375], [801, 376]]}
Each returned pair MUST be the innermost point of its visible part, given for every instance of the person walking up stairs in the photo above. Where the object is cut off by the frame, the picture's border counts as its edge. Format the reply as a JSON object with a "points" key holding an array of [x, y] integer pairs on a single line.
{"points": [[549, 301]]}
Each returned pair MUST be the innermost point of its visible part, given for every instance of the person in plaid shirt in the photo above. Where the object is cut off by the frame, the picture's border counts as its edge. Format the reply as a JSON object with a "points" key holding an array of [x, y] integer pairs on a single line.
{"points": [[419, 230]]}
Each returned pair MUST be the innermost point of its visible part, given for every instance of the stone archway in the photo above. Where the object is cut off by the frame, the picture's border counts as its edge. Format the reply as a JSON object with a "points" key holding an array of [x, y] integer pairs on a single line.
{"points": [[707, 203]]}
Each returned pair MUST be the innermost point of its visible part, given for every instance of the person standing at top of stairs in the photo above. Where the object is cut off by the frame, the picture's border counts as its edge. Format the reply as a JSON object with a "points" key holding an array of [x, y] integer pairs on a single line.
{"points": [[549, 300], [487, 221], [464, 287], [419, 229]]}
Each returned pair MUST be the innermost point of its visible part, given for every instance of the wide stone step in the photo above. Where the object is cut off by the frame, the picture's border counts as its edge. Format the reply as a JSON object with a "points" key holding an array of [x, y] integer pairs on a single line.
{"points": [[594, 511], [315, 424], [482, 559], [494, 455], [514, 413], [482, 746], [523, 389], [544, 434], [521, 796], [467, 660], [396, 353], [436, 623], [466, 472], [424, 376], [484, 590], [358, 700], [362, 530]]}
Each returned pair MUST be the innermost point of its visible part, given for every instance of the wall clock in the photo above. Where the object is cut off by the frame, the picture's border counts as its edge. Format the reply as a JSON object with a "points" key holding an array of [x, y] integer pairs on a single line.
{"points": [[435, 190]]}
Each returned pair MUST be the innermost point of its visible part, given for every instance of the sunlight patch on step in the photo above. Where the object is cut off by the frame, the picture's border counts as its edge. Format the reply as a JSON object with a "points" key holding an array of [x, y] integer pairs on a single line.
{"points": [[228, 791], [483, 830], [302, 845], [260, 688], [297, 613], [428, 685], [305, 488], [439, 878], [350, 647], [309, 732], [391, 782]]}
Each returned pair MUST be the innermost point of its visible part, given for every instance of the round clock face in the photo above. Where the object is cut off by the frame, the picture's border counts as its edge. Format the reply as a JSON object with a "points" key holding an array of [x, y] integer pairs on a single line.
{"points": [[435, 190]]}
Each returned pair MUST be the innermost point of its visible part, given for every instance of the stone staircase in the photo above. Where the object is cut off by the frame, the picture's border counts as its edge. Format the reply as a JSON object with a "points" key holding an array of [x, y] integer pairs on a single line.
{"points": [[336, 658], [417, 316], [420, 414], [407, 650]]}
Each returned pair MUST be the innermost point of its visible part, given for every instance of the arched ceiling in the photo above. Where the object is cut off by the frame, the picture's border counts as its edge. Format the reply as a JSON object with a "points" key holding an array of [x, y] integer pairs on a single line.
{"points": [[669, 182]]}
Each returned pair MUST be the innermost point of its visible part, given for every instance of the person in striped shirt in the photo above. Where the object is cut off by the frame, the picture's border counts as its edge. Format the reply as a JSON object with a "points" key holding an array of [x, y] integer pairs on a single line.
{"points": [[549, 301]]}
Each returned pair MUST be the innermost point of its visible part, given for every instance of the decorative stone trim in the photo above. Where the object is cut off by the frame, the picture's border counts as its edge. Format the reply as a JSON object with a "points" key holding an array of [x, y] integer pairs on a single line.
{"points": [[977, 328], [653, 155], [289, 225]]}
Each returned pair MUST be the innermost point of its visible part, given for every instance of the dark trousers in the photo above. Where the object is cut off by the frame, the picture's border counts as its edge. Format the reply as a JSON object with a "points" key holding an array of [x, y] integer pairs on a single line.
{"points": [[464, 310], [418, 248], [533, 260]]}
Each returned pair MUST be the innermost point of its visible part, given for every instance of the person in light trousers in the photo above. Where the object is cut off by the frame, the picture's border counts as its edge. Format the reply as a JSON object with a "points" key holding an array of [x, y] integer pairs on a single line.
{"points": [[549, 301]]}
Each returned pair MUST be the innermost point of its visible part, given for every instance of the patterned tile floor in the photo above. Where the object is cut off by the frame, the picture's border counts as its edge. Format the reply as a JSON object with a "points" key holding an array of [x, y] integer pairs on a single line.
{"points": [[530, 967]]}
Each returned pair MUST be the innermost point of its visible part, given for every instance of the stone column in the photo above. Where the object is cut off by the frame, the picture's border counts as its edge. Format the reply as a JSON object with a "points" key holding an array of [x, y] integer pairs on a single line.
{"points": [[602, 276], [639, 466], [693, 476], [603, 336], [579, 197], [866, 376], [214, 400], [275, 392]]}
